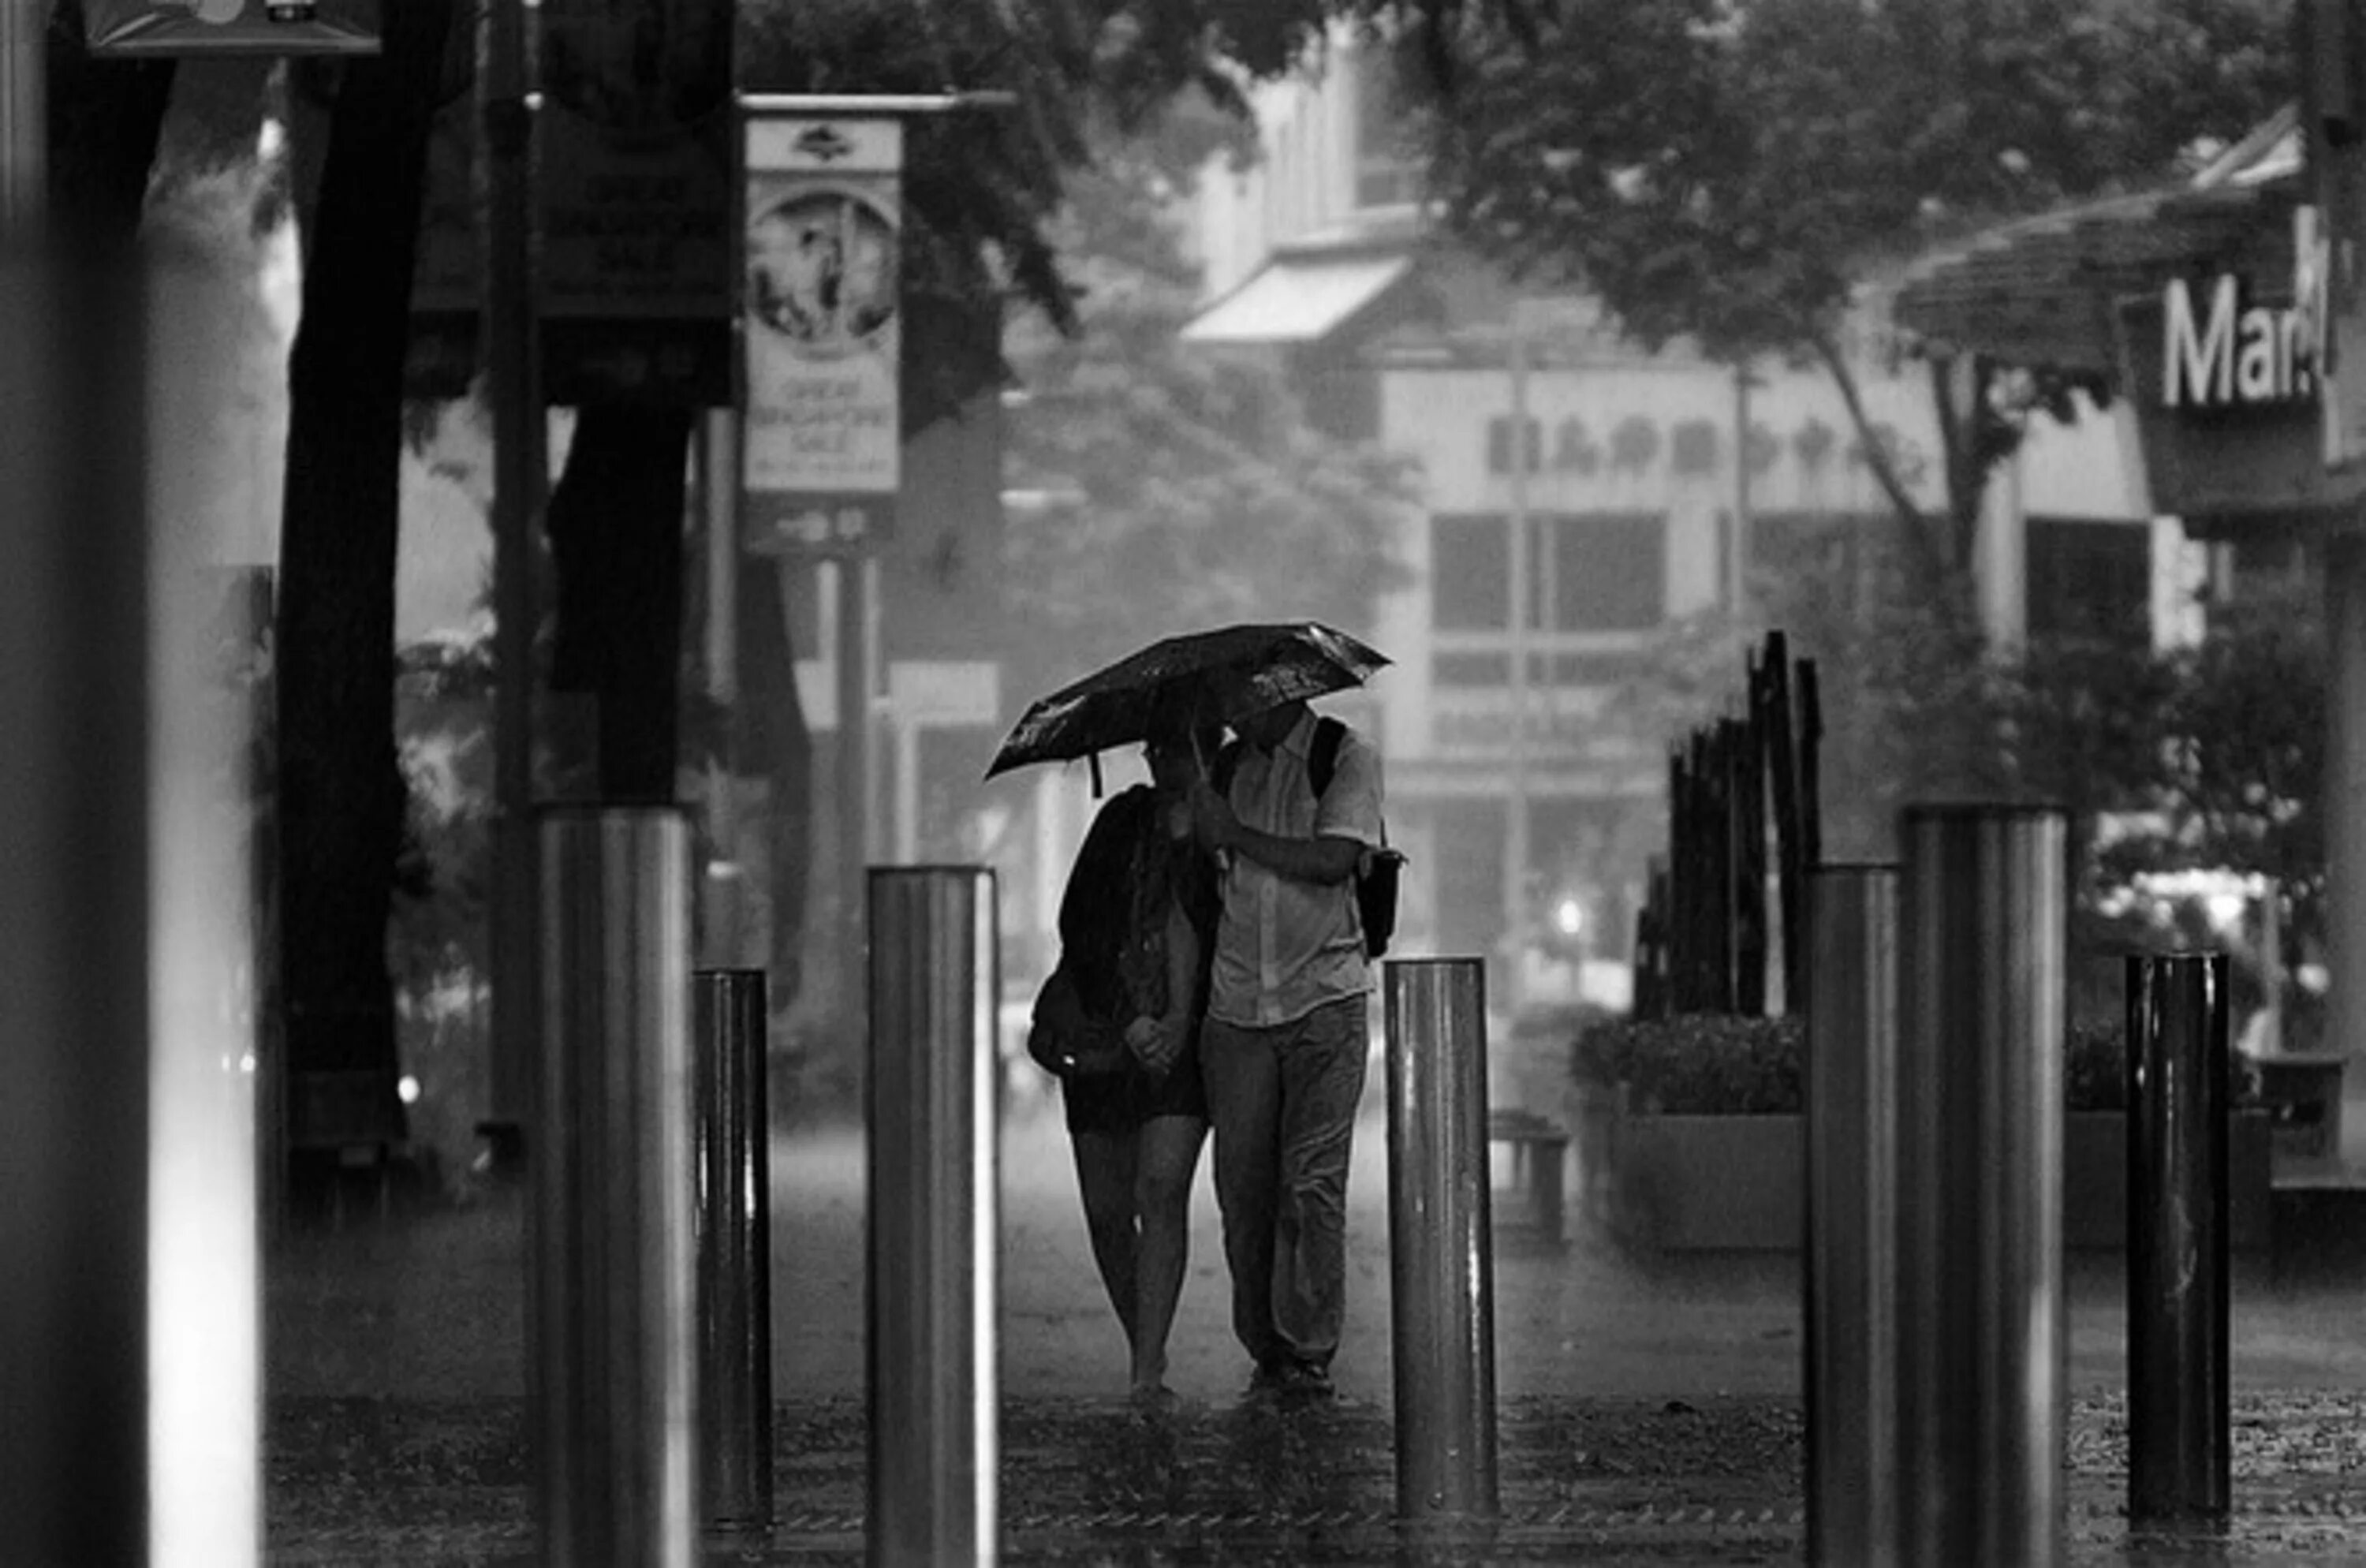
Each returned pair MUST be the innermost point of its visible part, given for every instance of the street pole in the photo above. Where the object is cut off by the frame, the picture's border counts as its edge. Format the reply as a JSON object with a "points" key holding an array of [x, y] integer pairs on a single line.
{"points": [[1981, 1329], [521, 473], [1737, 564], [76, 981], [2344, 831], [853, 771], [933, 1116], [24, 127], [1523, 590], [1441, 1246], [719, 493]]}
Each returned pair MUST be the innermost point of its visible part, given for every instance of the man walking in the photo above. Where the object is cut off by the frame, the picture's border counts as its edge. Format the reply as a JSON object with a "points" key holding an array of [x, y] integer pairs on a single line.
{"points": [[1284, 1046]]}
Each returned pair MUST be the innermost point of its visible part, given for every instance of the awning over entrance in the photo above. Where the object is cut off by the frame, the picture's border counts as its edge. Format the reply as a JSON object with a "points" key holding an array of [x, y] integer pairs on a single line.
{"points": [[2043, 290], [1296, 300]]}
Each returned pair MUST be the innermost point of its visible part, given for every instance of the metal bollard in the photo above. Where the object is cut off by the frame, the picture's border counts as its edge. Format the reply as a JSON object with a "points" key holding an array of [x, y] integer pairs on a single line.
{"points": [[1852, 1218], [1981, 1326], [735, 1251], [933, 1113], [75, 971], [2179, 1417], [613, 1299], [1441, 1249]]}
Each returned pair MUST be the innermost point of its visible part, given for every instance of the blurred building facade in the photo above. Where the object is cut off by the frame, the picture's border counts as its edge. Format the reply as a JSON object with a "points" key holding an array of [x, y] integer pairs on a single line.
{"points": [[1614, 494]]}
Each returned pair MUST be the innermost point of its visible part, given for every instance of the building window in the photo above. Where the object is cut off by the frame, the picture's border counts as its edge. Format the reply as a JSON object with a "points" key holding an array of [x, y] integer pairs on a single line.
{"points": [[2269, 563], [1470, 574], [1499, 446], [1693, 449], [1602, 571], [2089, 579], [1482, 669], [1592, 571]]}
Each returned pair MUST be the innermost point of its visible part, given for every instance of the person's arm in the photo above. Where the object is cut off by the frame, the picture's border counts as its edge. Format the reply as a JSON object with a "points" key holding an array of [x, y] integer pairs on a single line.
{"points": [[1327, 858]]}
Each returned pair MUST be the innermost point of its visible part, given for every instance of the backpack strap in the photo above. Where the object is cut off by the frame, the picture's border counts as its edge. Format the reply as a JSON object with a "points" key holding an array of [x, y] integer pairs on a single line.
{"points": [[1226, 763], [1322, 759], [1323, 753]]}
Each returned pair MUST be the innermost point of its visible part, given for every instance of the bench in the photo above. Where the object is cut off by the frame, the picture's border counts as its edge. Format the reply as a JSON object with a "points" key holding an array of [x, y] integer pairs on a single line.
{"points": [[348, 1120], [1540, 1150], [2302, 1092]]}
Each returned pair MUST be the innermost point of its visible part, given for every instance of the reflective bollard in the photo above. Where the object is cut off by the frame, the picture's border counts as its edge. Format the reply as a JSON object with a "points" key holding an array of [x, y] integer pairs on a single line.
{"points": [[731, 1138], [75, 959], [614, 1303], [1441, 1251], [1982, 1328], [2179, 1415], [933, 1113], [1852, 1218]]}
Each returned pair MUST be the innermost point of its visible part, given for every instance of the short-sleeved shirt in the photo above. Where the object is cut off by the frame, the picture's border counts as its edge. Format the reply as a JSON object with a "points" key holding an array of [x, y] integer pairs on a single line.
{"points": [[1285, 948]]}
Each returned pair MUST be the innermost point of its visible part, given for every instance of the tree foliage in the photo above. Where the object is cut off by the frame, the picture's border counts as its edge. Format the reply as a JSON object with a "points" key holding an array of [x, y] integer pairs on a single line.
{"points": [[1729, 170], [1726, 172], [1181, 493]]}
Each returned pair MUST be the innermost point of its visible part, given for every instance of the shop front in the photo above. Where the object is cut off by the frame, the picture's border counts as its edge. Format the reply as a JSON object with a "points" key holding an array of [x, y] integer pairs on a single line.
{"points": [[2217, 313]]}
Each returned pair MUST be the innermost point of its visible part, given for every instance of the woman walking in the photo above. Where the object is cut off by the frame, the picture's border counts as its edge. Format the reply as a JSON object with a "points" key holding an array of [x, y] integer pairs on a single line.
{"points": [[1118, 1022]]}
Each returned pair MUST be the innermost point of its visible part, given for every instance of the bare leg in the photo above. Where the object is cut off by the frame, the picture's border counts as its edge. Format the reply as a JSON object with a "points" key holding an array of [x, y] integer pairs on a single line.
{"points": [[1169, 1150], [1106, 1164]]}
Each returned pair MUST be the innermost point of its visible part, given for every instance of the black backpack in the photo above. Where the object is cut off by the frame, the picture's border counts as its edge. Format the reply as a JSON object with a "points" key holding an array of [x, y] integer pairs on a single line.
{"points": [[1376, 871]]}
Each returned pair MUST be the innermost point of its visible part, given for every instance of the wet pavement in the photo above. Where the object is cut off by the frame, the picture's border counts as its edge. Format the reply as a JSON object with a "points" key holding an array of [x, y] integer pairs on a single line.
{"points": [[1088, 1481], [1648, 1409]]}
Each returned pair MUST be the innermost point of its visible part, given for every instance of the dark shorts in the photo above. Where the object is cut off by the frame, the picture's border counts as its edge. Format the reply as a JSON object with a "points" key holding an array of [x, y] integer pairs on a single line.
{"points": [[1120, 1103]]}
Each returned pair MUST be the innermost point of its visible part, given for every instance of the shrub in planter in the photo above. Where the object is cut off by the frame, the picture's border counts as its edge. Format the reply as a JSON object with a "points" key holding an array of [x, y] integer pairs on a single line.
{"points": [[1697, 1063], [2096, 1063], [1721, 1064]]}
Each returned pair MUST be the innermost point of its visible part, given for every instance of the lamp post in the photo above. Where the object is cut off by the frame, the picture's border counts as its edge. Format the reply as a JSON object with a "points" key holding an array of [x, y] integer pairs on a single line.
{"points": [[24, 140], [521, 474], [1523, 595]]}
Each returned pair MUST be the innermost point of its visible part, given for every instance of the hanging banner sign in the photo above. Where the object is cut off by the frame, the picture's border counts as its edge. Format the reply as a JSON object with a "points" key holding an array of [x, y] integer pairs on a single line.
{"points": [[117, 27], [632, 193], [821, 329]]}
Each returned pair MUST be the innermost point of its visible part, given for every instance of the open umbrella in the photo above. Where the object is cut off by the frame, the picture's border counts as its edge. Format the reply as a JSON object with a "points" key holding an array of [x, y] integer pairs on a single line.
{"points": [[1224, 675]]}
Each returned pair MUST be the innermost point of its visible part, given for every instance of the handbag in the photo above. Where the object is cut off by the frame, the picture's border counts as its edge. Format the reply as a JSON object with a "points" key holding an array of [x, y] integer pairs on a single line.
{"points": [[1064, 1038]]}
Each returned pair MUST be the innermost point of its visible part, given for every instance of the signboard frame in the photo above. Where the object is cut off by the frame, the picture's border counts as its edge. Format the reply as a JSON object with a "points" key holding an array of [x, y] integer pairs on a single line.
{"points": [[133, 30], [817, 378]]}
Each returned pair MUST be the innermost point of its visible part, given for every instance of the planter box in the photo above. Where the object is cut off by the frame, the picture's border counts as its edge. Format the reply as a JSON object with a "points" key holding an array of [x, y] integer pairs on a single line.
{"points": [[1733, 1183], [1710, 1183]]}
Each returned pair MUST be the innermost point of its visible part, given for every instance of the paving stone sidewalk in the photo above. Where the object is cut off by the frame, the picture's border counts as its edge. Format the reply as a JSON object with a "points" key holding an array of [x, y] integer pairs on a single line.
{"points": [[427, 1483], [1649, 1409]]}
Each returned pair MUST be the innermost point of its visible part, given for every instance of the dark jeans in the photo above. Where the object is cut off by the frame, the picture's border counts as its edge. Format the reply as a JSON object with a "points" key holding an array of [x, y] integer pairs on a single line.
{"points": [[1282, 1101]]}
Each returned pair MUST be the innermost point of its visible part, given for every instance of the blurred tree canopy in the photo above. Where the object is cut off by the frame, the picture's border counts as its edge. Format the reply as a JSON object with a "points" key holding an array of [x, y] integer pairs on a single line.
{"points": [[1176, 491], [2205, 758], [1731, 172]]}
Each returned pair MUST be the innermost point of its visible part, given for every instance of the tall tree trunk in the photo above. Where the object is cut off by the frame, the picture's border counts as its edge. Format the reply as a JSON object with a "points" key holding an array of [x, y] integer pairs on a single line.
{"points": [[341, 793], [615, 524]]}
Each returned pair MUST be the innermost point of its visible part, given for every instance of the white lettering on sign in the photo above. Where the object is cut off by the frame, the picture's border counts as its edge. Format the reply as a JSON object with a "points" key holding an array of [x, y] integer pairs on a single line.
{"points": [[2230, 355]]}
